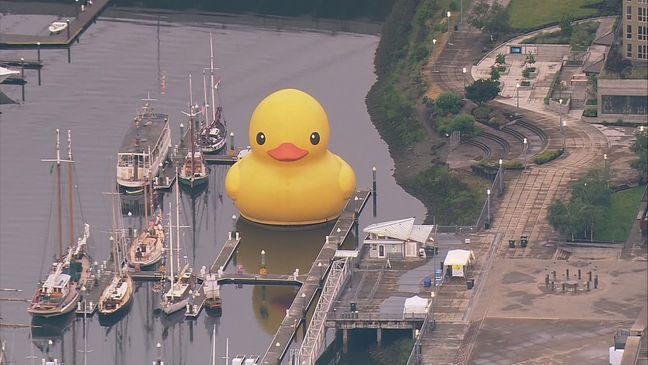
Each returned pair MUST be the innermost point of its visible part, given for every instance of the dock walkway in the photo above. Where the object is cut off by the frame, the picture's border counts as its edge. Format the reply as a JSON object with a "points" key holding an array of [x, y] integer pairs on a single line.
{"points": [[74, 30], [312, 283]]}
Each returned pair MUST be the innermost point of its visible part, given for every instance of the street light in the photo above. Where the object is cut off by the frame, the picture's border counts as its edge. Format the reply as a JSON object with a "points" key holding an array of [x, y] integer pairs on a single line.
{"points": [[524, 150], [517, 97], [488, 217], [562, 130], [464, 76], [449, 20], [501, 176]]}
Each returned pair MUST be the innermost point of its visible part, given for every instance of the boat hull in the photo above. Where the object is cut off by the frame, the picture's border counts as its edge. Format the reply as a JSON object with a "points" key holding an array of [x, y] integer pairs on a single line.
{"points": [[55, 312], [117, 308], [195, 182], [172, 307]]}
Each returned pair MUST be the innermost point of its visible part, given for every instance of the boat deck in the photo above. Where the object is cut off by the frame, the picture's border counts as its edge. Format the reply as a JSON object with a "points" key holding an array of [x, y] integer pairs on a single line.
{"points": [[150, 129]]}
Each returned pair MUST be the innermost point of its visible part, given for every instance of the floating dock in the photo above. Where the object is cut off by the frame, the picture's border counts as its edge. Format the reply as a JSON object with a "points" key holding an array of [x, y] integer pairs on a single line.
{"points": [[311, 285], [76, 26], [226, 253], [89, 302], [24, 63]]}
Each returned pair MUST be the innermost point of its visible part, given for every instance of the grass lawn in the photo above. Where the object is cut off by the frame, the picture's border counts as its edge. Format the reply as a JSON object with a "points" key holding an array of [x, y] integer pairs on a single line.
{"points": [[621, 216], [526, 14]]}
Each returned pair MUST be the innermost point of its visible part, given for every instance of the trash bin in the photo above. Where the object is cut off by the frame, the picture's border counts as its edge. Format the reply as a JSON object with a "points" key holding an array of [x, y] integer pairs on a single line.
{"points": [[511, 243], [353, 307], [427, 282], [470, 283]]}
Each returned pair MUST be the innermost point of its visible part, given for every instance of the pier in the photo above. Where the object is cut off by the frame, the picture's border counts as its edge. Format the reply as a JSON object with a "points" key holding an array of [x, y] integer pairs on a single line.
{"points": [[314, 279], [76, 26], [95, 287], [226, 253]]}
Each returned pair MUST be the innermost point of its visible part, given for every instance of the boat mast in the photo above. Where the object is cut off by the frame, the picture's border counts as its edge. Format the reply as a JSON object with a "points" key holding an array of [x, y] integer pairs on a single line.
{"points": [[205, 100], [178, 221], [171, 246], [211, 75], [59, 204], [214, 345], [70, 188], [191, 131]]}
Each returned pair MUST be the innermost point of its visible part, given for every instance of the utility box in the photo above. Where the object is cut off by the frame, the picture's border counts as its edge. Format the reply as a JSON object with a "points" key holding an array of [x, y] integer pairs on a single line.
{"points": [[524, 241]]}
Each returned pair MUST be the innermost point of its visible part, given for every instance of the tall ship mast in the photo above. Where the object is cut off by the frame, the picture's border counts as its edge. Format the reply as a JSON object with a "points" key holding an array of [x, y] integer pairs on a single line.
{"points": [[194, 172], [61, 290], [212, 135], [144, 148]]}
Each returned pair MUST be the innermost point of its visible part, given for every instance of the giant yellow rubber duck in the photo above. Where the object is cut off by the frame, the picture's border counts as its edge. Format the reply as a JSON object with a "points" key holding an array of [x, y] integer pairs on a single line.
{"points": [[290, 177]]}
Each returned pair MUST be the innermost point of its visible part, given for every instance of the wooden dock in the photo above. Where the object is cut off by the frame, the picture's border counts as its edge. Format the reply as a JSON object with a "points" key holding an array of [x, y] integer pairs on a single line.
{"points": [[89, 302], [311, 285], [226, 253], [146, 275], [64, 39], [259, 279], [196, 304]]}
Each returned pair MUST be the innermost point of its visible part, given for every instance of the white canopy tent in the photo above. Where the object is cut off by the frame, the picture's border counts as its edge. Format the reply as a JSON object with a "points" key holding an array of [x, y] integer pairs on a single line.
{"points": [[458, 260], [415, 307]]}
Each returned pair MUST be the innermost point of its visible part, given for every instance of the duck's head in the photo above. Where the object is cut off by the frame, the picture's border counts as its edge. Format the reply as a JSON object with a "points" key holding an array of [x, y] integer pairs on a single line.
{"points": [[289, 126]]}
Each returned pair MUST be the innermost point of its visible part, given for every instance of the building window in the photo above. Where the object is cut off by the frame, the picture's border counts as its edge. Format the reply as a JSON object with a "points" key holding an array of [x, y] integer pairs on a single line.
{"points": [[629, 31], [628, 50], [641, 14], [641, 52], [642, 33], [629, 12]]}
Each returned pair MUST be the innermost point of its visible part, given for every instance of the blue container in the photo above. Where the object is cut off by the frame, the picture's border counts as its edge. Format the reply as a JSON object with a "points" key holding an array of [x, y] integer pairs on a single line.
{"points": [[427, 282]]}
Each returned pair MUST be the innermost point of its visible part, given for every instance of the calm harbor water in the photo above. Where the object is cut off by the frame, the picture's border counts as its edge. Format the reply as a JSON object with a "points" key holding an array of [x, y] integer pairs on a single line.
{"points": [[118, 61]]}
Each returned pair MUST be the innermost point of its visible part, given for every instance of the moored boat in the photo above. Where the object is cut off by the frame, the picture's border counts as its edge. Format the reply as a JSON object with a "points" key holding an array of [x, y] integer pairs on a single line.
{"points": [[144, 149], [6, 73], [211, 289], [57, 27], [117, 296], [147, 248], [194, 172], [61, 290], [212, 134]]}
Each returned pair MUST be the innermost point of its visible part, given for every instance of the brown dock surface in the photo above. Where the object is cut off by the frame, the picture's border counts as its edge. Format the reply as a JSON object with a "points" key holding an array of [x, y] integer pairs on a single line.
{"points": [[76, 26], [226, 253], [306, 294]]}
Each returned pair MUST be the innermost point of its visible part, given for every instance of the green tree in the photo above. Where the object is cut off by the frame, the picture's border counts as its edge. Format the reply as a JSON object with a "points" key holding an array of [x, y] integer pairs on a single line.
{"points": [[482, 91], [495, 74], [500, 59], [566, 27], [449, 102], [493, 19]]}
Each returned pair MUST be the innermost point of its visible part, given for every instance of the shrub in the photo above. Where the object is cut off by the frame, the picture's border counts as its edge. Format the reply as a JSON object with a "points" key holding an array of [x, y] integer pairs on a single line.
{"points": [[501, 68], [481, 113], [546, 156], [590, 112], [500, 58], [591, 101], [525, 83], [495, 74], [526, 73], [531, 60], [464, 123], [482, 91], [449, 102]]}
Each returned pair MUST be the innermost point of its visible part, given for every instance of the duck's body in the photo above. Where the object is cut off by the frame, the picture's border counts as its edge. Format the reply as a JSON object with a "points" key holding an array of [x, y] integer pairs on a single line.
{"points": [[292, 179]]}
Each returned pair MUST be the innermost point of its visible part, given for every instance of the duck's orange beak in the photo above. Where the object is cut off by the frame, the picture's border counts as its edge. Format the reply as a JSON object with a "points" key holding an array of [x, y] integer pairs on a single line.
{"points": [[287, 152]]}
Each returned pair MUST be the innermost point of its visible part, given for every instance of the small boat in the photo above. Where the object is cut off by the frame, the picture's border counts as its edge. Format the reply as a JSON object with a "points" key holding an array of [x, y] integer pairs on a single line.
{"points": [[61, 290], [118, 294], [212, 293], [147, 248], [5, 73], [179, 291], [194, 172], [144, 149], [57, 27]]}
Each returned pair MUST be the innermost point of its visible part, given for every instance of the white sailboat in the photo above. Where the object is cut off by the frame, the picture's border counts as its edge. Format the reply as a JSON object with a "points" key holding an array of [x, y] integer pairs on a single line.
{"points": [[177, 296]]}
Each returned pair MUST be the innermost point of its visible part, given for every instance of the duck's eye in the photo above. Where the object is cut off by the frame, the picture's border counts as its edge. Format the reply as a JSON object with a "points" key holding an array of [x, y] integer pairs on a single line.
{"points": [[260, 138], [314, 138]]}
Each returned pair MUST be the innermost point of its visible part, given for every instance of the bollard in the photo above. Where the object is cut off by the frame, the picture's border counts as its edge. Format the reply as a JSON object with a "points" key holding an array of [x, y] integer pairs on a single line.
{"points": [[563, 287], [182, 134], [552, 286], [229, 236], [590, 275], [567, 274], [238, 236], [579, 274], [232, 143], [587, 285], [547, 280], [596, 282], [374, 192], [68, 30], [38, 56]]}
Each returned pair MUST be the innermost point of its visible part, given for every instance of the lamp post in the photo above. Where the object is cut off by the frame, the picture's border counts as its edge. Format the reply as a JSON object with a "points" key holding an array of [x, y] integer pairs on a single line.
{"points": [[501, 177], [448, 14], [461, 10], [517, 98], [524, 150], [464, 76], [488, 217], [562, 129]]}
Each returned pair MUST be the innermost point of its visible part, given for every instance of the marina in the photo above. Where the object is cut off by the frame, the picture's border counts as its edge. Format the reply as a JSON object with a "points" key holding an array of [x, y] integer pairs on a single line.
{"points": [[210, 224]]}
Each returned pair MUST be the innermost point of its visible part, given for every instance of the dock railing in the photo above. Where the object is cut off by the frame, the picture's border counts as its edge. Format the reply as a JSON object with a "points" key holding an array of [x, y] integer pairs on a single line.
{"points": [[428, 324], [315, 342]]}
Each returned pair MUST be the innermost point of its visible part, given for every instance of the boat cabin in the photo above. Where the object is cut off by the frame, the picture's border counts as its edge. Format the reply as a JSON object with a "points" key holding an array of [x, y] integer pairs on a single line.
{"points": [[56, 284], [399, 239]]}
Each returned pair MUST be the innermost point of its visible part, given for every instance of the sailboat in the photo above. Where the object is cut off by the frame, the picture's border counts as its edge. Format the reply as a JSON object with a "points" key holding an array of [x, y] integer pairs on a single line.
{"points": [[212, 135], [211, 289], [61, 290], [194, 171], [119, 293], [147, 249], [180, 289]]}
